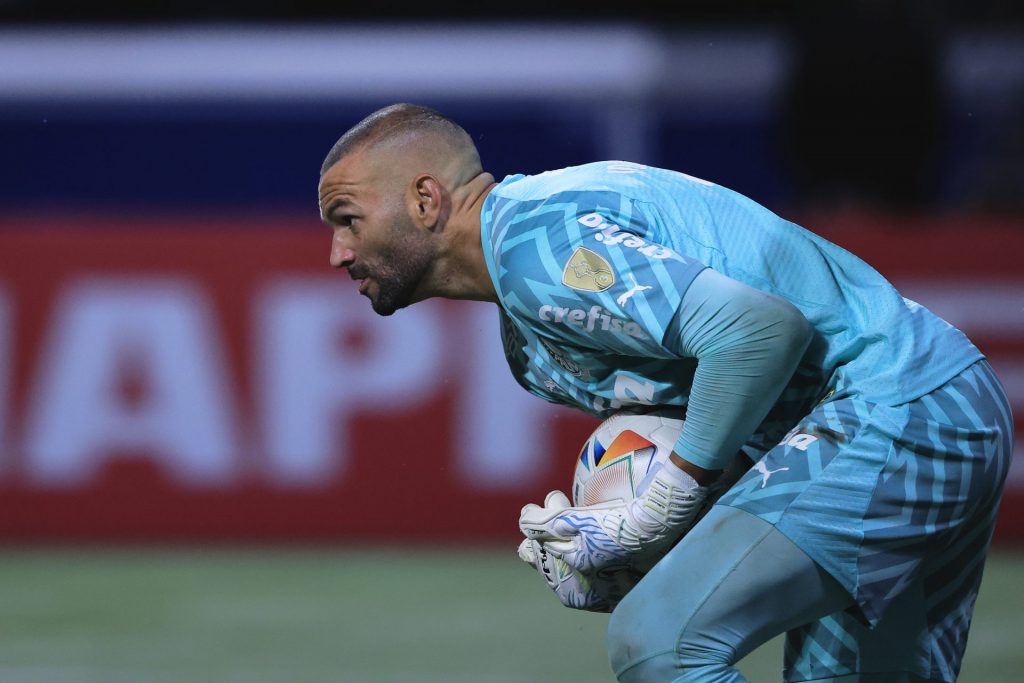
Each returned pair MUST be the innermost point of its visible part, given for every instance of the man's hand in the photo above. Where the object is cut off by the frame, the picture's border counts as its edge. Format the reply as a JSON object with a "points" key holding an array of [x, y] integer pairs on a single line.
{"points": [[616, 535], [599, 592]]}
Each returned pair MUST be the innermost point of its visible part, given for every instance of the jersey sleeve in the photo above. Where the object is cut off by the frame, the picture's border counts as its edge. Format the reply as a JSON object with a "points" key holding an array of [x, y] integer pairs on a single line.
{"points": [[587, 271], [747, 344]]}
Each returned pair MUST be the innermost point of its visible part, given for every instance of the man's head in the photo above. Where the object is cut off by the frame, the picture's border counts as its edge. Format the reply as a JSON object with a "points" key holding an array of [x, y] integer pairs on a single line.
{"points": [[385, 189]]}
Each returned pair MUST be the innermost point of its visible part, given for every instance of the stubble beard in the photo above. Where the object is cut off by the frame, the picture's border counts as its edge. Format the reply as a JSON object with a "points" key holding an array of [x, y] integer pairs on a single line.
{"points": [[400, 271]]}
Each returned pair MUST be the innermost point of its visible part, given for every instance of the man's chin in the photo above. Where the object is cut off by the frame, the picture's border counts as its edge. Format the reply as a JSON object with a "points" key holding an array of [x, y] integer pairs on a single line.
{"points": [[389, 298], [383, 311], [385, 307]]}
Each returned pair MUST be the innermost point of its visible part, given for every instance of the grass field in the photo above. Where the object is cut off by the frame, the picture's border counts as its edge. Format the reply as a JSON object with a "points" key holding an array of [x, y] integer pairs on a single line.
{"points": [[365, 616]]}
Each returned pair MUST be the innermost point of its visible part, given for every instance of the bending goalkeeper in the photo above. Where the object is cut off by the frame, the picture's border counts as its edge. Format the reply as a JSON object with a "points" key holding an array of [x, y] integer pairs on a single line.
{"points": [[884, 434]]}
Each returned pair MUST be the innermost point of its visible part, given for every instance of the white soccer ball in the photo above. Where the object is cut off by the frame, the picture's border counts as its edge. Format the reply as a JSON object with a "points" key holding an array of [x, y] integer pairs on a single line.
{"points": [[619, 453]]}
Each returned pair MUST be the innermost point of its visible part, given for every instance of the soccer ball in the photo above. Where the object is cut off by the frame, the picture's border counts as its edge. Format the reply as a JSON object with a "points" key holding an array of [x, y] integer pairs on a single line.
{"points": [[619, 454]]}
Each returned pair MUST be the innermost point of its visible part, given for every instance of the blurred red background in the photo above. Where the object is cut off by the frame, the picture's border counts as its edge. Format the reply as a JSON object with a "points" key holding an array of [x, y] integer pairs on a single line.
{"points": [[198, 378]]}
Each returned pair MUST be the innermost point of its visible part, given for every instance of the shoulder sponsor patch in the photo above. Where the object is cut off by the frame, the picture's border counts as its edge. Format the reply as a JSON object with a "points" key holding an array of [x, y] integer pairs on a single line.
{"points": [[587, 272], [611, 235]]}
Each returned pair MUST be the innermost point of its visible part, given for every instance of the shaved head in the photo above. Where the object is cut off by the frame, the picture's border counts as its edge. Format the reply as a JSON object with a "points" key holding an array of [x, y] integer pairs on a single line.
{"points": [[416, 132], [402, 191]]}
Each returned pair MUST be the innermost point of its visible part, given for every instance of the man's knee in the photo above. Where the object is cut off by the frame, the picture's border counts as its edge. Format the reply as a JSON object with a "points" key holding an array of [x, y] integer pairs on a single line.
{"points": [[633, 648], [639, 653], [625, 637]]}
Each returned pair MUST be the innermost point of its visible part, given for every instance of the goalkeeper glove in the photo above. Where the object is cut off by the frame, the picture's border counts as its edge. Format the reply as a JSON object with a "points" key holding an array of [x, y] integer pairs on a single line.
{"points": [[620, 535], [599, 592]]}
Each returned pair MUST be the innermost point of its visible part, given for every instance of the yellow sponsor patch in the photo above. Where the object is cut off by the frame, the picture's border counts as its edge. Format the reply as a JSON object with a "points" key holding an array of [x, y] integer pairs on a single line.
{"points": [[587, 272]]}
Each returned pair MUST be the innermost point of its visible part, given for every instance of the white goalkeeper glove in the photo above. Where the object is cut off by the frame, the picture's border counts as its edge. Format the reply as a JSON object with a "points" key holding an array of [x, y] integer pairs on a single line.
{"points": [[620, 535], [599, 592]]}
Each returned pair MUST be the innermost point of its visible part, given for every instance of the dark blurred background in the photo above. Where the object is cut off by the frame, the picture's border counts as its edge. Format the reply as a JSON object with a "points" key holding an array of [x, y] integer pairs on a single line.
{"points": [[901, 105]]}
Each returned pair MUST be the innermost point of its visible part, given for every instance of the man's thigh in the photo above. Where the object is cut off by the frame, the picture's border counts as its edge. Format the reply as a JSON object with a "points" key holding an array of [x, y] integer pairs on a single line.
{"points": [[731, 584]]}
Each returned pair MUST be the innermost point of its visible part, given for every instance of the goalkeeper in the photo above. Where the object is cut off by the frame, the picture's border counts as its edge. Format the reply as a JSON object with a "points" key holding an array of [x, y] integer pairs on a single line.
{"points": [[880, 435]]}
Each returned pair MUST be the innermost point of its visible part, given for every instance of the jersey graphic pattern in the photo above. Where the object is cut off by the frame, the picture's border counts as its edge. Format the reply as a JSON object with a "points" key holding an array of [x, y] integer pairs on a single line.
{"points": [[583, 318], [596, 258]]}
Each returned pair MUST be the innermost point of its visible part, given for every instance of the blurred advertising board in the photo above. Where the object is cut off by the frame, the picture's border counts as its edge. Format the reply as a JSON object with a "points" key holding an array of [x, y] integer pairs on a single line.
{"points": [[199, 378]]}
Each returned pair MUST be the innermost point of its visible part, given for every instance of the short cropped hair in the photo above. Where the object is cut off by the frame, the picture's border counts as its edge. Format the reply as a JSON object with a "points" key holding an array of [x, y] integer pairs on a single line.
{"points": [[391, 121]]}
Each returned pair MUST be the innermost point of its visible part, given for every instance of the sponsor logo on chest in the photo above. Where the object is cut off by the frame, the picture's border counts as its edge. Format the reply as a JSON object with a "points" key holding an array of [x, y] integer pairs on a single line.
{"points": [[596, 318]]}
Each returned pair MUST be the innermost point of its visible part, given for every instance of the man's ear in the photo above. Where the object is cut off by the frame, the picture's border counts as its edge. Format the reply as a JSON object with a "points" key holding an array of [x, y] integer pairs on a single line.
{"points": [[428, 198]]}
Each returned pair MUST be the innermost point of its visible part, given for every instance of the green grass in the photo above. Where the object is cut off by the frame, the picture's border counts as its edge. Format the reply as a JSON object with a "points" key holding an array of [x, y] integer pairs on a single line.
{"points": [[365, 616]]}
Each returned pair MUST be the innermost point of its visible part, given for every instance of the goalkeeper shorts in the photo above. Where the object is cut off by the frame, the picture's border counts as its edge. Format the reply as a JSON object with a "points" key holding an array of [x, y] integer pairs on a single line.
{"points": [[898, 503]]}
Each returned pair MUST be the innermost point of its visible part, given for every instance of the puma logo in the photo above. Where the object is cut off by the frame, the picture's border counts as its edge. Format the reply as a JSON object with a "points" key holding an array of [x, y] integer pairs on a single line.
{"points": [[765, 472], [621, 301]]}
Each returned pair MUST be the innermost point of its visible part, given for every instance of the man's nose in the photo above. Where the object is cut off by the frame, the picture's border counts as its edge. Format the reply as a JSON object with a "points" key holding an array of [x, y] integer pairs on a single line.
{"points": [[341, 255]]}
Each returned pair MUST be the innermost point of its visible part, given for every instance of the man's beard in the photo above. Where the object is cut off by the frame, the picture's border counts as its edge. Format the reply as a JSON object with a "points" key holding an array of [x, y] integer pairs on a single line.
{"points": [[399, 272]]}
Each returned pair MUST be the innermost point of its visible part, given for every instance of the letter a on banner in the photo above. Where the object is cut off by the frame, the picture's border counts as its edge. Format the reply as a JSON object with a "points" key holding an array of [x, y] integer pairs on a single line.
{"points": [[161, 333]]}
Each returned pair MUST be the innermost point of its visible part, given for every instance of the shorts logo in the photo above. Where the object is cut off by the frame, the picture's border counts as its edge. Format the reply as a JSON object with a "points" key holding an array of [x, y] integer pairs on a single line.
{"points": [[587, 272], [799, 441], [766, 473]]}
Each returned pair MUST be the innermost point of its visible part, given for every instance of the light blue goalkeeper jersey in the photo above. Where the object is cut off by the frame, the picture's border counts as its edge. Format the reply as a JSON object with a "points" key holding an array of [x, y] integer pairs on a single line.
{"points": [[590, 264]]}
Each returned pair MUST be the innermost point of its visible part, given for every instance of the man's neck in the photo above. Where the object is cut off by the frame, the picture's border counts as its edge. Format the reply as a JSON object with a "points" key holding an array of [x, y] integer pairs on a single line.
{"points": [[463, 272]]}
